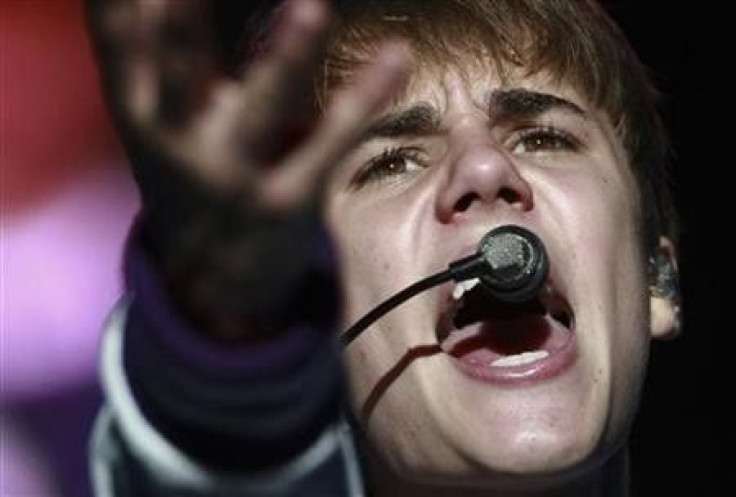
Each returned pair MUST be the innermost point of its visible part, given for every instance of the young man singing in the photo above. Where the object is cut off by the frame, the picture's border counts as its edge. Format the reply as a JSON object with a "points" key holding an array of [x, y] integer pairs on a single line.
{"points": [[372, 144]]}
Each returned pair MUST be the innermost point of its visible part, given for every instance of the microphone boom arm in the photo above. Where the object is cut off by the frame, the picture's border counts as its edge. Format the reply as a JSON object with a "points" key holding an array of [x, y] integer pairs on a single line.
{"points": [[511, 262]]}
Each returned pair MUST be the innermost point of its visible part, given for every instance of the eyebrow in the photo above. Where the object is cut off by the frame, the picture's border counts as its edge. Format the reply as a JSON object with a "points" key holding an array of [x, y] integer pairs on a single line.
{"points": [[520, 103], [416, 120], [423, 118]]}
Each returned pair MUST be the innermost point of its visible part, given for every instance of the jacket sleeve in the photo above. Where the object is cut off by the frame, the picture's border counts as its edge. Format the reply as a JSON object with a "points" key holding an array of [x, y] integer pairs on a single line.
{"points": [[188, 417]]}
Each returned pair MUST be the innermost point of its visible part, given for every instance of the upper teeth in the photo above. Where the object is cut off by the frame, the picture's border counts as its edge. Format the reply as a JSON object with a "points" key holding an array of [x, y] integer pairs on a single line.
{"points": [[462, 287], [552, 301]]}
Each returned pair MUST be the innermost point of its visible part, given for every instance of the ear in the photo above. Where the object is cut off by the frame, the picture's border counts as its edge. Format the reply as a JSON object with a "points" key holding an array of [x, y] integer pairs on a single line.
{"points": [[664, 290]]}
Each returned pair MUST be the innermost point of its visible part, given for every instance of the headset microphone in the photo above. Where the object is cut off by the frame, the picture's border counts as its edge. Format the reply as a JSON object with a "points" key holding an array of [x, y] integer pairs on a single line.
{"points": [[511, 263]]}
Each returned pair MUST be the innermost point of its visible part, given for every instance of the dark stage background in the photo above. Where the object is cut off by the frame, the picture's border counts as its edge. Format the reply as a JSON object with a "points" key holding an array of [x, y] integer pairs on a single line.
{"points": [[684, 438]]}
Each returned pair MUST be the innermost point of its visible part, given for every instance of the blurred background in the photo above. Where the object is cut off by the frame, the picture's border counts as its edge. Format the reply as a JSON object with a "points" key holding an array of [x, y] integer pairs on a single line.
{"points": [[68, 200]]}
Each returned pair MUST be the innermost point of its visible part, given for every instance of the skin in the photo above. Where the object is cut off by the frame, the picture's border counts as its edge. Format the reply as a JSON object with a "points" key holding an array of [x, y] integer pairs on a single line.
{"points": [[472, 170]]}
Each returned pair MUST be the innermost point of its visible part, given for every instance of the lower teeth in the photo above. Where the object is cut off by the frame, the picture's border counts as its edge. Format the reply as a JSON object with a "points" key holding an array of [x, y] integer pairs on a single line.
{"points": [[519, 359]]}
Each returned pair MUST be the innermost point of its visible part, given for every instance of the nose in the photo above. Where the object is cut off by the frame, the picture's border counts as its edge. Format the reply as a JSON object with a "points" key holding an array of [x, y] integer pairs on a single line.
{"points": [[481, 174]]}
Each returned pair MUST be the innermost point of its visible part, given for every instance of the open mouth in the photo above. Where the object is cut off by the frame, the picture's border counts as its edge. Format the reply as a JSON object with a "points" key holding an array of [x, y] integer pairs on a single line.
{"points": [[489, 335]]}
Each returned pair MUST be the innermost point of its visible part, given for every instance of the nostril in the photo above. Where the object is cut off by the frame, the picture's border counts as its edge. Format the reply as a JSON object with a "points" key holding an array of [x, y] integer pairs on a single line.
{"points": [[465, 202], [509, 195]]}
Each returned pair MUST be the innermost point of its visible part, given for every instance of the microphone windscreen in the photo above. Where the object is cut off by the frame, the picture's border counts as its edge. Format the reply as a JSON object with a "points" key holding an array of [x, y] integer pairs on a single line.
{"points": [[517, 263]]}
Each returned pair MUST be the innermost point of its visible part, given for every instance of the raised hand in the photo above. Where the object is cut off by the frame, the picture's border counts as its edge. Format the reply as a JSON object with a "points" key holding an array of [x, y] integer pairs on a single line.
{"points": [[230, 197]]}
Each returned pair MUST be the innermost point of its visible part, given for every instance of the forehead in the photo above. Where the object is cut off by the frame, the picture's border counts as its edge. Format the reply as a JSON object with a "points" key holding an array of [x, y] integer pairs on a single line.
{"points": [[479, 83], [572, 42]]}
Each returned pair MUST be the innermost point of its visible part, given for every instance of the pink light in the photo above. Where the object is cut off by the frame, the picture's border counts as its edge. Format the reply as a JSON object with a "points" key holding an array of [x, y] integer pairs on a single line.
{"points": [[61, 277]]}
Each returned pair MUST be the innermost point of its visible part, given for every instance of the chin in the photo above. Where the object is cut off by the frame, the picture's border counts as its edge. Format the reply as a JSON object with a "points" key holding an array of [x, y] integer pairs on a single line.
{"points": [[537, 460], [438, 424]]}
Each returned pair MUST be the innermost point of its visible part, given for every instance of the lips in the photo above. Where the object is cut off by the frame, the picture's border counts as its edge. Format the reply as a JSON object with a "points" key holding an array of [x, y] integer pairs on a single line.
{"points": [[501, 343]]}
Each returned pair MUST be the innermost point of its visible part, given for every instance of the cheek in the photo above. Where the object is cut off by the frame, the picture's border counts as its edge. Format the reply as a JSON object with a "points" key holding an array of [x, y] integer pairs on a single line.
{"points": [[606, 261], [598, 213], [601, 216], [377, 245]]}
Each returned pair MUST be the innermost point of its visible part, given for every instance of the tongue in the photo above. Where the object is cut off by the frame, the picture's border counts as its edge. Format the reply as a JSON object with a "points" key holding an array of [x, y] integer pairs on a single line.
{"points": [[527, 338]]}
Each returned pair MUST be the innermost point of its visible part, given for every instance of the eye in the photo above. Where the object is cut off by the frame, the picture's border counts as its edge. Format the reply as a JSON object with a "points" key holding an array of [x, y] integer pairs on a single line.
{"points": [[544, 139], [391, 163]]}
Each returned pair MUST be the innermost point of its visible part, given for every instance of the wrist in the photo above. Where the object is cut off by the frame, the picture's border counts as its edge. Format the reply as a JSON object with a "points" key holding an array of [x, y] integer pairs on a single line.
{"points": [[233, 288]]}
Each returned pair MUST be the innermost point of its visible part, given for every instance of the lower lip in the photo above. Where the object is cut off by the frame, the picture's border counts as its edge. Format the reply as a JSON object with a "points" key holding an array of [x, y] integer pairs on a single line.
{"points": [[554, 365]]}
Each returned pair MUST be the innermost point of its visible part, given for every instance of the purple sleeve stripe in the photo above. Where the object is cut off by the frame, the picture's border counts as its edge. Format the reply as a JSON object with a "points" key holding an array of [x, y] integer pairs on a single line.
{"points": [[175, 335]]}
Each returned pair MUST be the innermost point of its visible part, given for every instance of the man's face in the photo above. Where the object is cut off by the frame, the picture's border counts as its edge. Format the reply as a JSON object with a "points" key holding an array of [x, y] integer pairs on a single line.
{"points": [[531, 392]]}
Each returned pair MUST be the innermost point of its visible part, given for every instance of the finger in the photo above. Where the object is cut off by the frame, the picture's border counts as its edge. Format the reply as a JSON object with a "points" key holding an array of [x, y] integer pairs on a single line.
{"points": [[157, 57], [223, 143], [274, 85], [185, 59], [139, 71], [119, 36], [208, 148], [296, 180]]}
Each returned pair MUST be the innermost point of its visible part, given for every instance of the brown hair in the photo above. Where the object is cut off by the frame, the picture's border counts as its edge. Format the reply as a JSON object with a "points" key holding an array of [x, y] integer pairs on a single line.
{"points": [[574, 41]]}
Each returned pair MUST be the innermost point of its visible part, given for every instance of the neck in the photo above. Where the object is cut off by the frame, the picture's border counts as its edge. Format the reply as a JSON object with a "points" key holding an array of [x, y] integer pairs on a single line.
{"points": [[608, 480]]}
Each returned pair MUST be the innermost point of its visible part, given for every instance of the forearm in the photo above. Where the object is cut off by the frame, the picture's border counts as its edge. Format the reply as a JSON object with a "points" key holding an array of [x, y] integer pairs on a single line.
{"points": [[247, 282], [132, 457], [214, 398]]}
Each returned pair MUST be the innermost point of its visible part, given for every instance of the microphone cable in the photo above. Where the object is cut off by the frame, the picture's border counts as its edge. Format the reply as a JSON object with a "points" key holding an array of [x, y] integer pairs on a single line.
{"points": [[511, 262]]}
